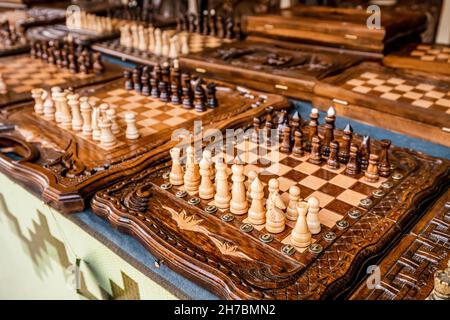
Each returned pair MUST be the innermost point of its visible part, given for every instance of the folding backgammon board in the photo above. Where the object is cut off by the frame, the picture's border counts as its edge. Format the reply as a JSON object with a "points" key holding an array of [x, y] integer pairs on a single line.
{"points": [[433, 58], [417, 264], [275, 67], [237, 252], [340, 27], [66, 164], [409, 102]]}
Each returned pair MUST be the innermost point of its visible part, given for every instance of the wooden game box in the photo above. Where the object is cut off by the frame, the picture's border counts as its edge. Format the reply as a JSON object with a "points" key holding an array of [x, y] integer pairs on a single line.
{"points": [[339, 27], [237, 260], [432, 58], [34, 17], [65, 167], [272, 66], [407, 272], [22, 73], [409, 102]]}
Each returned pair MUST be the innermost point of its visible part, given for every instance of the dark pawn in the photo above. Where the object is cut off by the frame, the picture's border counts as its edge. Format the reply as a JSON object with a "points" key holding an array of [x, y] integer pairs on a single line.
{"points": [[44, 54], [256, 129], [154, 84], [212, 23], [65, 59], [163, 92], [128, 81], [364, 151], [332, 161], [211, 93], [221, 27], [229, 28], [353, 167], [98, 65], [145, 82], [206, 17], [384, 167], [315, 156], [295, 123], [137, 80], [297, 150], [72, 64], [87, 59], [187, 91], [38, 50], [286, 143], [199, 97], [344, 150]]}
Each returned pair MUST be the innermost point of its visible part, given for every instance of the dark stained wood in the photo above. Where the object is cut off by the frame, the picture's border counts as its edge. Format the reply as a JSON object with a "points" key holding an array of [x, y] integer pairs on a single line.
{"points": [[272, 68], [407, 271], [66, 169], [236, 265], [419, 99], [341, 27], [424, 57]]}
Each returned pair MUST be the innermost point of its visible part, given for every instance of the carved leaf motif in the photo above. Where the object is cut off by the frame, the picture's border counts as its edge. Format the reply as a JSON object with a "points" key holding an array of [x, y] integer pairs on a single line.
{"points": [[33, 135], [229, 249]]}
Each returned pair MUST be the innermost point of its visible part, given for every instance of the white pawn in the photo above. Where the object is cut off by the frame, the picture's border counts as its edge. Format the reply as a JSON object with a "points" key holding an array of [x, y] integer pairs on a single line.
{"points": [[132, 132], [301, 236], [36, 94], [157, 49], [257, 212], [176, 172], [96, 133], [185, 44], [313, 217], [86, 110], [107, 138], [55, 93], [173, 52], [251, 176], [222, 197], [77, 121], [238, 204], [206, 189], [192, 173], [111, 116], [294, 197], [49, 107], [165, 44], [151, 39]]}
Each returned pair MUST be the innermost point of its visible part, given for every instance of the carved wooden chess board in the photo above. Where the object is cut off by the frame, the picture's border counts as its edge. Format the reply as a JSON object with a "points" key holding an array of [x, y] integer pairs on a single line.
{"points": [[275, 68], [339, 27], [407, 271], [429, 58], [197, 43], [66, 167], [387, 97], [235, 259], [22, 73]]}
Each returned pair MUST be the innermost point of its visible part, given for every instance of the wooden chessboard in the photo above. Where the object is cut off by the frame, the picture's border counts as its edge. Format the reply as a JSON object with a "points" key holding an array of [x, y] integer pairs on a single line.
{"points": [[414, 104], [69, 166], [22, 73], [425, 57], [237, 260], [339, 27], [197, 43], [61, 32], [274, 68], [407, 272]]}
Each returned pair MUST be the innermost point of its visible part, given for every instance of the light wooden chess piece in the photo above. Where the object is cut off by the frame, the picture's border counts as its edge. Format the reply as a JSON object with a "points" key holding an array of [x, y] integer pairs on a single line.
{"points": [[222, 197], [301, 236], [251, 176], [86, 111], [192, 173], [294, 197], [275, 219], [238, 203], [132, 132], [77, 121], [165, 44], [176, 176], [371, 173], [151, 39], [55, 93], [206, 189], [107, 138], [173, 52], [96, 133], [49, 107], [257, 212], [111, 116], [157, 49], [185, 44], [313, 215], [36, 94], [103, 108]]}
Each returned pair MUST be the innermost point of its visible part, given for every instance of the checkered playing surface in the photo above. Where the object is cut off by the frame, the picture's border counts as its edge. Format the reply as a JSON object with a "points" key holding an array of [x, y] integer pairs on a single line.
{"points": [[337, 192], [198, 42], [418, 94], [23, 73], [431, 53]]}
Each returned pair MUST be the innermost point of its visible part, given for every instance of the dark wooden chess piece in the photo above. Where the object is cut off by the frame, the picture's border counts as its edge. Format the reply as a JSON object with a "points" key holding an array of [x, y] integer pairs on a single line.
{"points": [[145, 82], [199, 97], [154, 84], [163, 91], [286, 142], [175, 86], [353, 167], [82, 64], [295, 123], [221, 27], [137, 79], [384, 166], [297, 150], [64, 59], [229, 32], [72, 64], [329, 131], [332, 161], [344, 149], [315, 157], [51, 55], [128, 81], [44, 54], [211, 93], [192, 22], [364, 151], [256, 129], [98, 65], [212, 23], [187, 91], [87, 59], [313, 127], [206, 17]]}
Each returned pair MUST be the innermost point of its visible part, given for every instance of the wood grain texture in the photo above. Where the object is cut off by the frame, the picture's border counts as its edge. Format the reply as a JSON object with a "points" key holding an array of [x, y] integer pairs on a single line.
{"points": [[65, 169], [235, 265], [407, 272]]}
